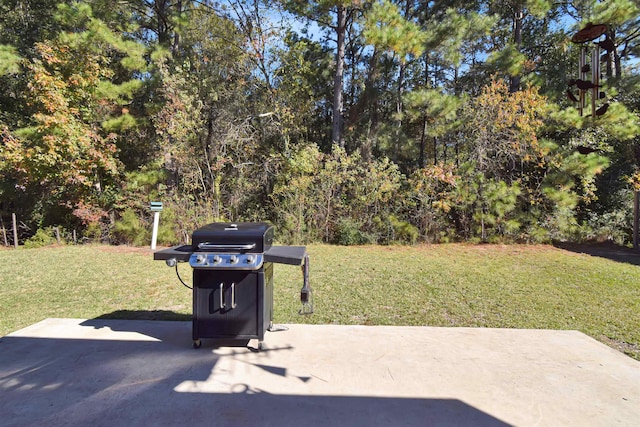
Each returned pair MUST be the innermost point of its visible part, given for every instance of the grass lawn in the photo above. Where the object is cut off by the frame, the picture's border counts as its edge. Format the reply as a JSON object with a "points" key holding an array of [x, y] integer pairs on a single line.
{"points": [[540, 287]]}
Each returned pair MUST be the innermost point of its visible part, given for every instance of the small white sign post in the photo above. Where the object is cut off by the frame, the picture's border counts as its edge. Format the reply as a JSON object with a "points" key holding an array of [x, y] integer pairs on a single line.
{"points": [[156, 208]]}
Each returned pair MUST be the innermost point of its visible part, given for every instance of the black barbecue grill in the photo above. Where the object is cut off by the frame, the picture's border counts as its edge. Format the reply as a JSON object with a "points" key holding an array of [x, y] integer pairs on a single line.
{"points": [[233, 279]]}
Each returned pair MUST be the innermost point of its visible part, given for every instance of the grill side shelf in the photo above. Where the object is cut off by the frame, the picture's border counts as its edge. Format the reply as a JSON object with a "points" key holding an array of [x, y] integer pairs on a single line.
{"points": [[180, 253], [292, 255]]}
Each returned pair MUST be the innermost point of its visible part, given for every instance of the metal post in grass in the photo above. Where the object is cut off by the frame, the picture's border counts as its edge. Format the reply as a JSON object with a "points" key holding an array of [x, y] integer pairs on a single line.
{"points": [[15, 230], [4, 232], [156, 208]]}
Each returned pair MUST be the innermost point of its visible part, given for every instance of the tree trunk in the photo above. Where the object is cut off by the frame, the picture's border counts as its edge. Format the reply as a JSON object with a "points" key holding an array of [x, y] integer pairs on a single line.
{"points": [[422, 160], [399, 109], [612, 59], [336, 133], [435, 150], [514, 85], [176, 37], [616, 55], [367, 102], [160, 9]]}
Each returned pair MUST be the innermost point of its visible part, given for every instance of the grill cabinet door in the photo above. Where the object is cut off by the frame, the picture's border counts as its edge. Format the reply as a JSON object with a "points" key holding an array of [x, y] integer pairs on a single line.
{"points": [[221, 310]]}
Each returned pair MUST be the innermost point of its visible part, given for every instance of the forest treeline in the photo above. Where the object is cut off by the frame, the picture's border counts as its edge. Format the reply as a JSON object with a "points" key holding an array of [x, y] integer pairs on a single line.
{"points": [[343, 121]]}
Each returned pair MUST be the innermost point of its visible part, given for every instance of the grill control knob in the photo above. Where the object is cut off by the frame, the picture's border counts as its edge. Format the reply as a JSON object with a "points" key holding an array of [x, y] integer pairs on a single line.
{"points": [[233, 259], [249, 259], [201, 259], [217, 259]]}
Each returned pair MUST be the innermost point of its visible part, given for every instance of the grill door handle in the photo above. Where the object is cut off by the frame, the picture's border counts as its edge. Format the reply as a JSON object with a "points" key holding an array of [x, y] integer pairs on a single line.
{"points": [[233, 296], [221, 296], [206, 246]]}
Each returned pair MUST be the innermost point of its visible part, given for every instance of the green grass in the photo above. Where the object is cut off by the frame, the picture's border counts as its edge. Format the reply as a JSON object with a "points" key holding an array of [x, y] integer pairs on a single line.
{"points": [[538, 287]]}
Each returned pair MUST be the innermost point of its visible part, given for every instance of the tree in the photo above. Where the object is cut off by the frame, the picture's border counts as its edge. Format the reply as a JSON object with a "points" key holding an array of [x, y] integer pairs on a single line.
{"points": [[208, 121], [506, 143], [335, 15], [388, 29], [66, 154], [23, 23], [509, 49], [159, 21], [230, 111], [262, 34], [302, 90], [422, 42]]}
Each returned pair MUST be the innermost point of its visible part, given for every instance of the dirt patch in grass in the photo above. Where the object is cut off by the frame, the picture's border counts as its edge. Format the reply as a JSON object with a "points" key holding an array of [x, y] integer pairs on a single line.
{"points": [[629, 349], [124, 249]]}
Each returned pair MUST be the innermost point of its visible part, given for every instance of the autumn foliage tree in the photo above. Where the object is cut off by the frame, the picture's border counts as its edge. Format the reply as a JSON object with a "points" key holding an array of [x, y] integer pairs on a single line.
{"points": [[514, 174], [67, 151]]}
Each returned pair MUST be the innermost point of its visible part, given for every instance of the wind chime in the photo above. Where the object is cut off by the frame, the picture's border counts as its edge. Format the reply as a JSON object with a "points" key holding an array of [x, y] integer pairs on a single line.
{"points": [[588, 81]]}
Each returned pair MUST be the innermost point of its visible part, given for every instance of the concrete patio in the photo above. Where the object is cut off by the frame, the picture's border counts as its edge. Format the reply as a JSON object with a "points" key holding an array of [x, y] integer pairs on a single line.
{"points": [[126, 373]]}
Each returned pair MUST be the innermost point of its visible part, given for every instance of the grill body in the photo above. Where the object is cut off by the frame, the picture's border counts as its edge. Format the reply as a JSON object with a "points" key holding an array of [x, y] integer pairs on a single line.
{"points": [[232, 304], [232, 285]]}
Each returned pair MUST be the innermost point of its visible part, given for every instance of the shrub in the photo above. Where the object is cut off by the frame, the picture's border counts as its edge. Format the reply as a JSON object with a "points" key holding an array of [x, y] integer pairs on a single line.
{"points": [[166, 229], [129, 229], [431, 197], [334, 197], [349, 233], [394, 230], [94, 231], [43, 237], [294, 195], [613, 226]]}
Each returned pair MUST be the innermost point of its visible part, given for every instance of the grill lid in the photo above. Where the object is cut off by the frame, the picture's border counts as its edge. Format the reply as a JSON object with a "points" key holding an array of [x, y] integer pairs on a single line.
{"points": [[232, 245], [249, 237]]}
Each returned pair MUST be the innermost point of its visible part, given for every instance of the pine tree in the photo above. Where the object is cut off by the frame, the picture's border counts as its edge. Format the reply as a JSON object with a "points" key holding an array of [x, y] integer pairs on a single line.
{"points": [[335, 15]]}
